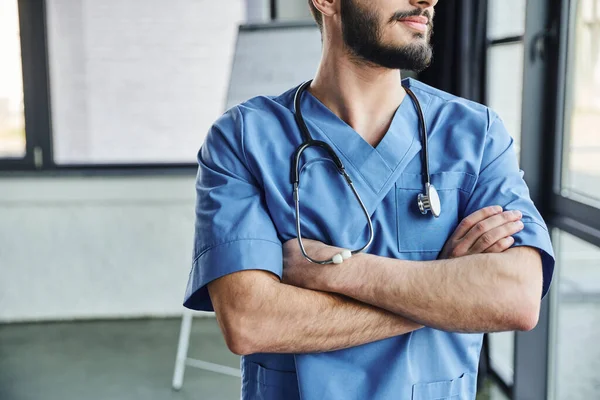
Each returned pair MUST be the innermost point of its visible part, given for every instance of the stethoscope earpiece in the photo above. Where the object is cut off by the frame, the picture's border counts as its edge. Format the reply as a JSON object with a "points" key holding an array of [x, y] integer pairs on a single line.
{"points": [[430, 201]]}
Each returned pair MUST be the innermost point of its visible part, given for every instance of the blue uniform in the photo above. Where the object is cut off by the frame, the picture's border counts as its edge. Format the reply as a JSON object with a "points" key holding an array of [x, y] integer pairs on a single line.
{"points": [[245, 211]]}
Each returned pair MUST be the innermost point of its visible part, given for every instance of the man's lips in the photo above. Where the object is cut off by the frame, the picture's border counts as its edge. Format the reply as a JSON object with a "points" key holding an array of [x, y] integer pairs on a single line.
{"points": [[418, 23]]}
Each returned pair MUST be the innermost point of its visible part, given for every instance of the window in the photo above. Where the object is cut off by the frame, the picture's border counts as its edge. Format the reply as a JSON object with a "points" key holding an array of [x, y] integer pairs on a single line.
{"points": [[576, 312], [504, 86], [112, 84], [581, 148], [506, 25], [283, 10], [557, 359], [506, 18], [12, 117]]}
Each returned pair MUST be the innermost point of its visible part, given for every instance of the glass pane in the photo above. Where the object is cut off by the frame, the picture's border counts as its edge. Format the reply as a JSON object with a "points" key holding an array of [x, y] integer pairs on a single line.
{"points": [[293, 10], [133, 83], [505, 86], [506, 18], [502, 348], [491, 391], [12, 117], [581, 159], [576, 349]]}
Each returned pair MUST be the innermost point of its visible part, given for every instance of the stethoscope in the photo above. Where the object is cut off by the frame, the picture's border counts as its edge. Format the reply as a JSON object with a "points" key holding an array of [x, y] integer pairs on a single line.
{"points": [[428, 201]]}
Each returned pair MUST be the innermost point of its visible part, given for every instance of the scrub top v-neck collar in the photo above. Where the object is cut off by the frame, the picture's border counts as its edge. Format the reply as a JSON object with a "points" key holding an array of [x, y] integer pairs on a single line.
{"points": [[376, 165]]}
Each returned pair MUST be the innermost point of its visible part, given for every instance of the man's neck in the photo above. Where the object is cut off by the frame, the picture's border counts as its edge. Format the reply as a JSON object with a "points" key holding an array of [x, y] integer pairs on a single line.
{"points": [[364, 96]]}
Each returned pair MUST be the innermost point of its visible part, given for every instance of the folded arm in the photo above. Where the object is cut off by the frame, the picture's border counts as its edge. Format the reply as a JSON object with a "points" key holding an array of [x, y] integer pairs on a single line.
{"points": [[259, 314], [476, 293]]}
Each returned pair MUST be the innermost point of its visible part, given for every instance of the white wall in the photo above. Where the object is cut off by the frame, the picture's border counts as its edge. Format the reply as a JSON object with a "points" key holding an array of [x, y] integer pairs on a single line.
{"points": [[96, 247]]}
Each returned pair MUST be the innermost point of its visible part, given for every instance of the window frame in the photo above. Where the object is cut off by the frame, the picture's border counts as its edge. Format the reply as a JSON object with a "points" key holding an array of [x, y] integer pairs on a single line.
{"points": [[39, 157], [35, 87], [575, 217], [545, 80]]}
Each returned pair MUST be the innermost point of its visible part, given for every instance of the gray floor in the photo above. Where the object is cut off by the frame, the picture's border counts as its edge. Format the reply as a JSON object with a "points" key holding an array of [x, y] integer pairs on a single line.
{"points": [[110, 360], [115, 360]]}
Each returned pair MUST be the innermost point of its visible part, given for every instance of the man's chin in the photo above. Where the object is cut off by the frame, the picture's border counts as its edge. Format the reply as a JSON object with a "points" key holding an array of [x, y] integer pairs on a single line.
{"points": [[407, 64]]}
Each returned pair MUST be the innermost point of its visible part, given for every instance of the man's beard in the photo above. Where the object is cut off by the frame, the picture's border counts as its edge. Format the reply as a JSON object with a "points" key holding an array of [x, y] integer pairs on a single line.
{"points": [[362, 35]]}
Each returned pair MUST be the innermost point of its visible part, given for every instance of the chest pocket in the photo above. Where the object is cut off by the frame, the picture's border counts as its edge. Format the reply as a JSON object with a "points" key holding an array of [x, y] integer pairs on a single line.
{"points": [[462, 388], [425, 233]]}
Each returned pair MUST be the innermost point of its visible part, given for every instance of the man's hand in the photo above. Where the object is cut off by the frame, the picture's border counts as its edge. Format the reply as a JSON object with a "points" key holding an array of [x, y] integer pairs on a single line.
{"points": [[487, 230]]}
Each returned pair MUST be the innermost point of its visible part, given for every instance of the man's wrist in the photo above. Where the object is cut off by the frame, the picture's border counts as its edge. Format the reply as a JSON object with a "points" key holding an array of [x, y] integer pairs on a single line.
{"points": [[339, 278]]}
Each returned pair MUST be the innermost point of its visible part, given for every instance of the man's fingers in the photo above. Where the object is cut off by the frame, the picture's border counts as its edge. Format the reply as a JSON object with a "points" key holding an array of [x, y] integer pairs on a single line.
{"points": [[486, 230], [482, 227], [491, 237], [469, 222], [501, 245]]}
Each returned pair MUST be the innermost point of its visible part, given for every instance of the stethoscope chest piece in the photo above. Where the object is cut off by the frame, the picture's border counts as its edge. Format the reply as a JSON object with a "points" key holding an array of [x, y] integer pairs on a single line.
{"points": [[430, 201]]}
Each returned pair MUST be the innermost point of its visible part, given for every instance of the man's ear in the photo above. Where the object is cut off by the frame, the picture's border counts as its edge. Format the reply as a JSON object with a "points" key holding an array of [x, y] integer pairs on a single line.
{"points": [[327, 7]]}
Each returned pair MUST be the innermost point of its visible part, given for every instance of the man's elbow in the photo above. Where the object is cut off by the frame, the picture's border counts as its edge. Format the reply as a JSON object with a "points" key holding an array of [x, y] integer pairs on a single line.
{"points": [[239, 345], [528, 306], [526, 289], [527, 317], [239, 330], [240, 302]]}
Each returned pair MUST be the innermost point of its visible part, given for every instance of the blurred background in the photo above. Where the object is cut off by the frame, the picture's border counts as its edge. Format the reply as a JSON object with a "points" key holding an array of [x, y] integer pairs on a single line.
{"points": [[103, 107]]}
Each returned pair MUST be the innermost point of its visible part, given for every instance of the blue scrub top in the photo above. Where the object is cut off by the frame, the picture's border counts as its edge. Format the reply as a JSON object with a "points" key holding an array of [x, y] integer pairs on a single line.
{"points": [[245, 210]]}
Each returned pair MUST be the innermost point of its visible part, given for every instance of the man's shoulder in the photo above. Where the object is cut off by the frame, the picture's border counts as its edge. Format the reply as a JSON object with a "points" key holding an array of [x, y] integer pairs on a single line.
{"points": [[442, 100], [246, 126], [418, 86], [257, 110], [268, 103]]}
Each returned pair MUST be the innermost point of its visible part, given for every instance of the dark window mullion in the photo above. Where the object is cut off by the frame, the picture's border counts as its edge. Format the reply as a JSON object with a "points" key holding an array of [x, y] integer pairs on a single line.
{"points": [[576, 228], [505, 40], [24, 162], [501, 383], [578, 212], [36, 98], [273, 10]]}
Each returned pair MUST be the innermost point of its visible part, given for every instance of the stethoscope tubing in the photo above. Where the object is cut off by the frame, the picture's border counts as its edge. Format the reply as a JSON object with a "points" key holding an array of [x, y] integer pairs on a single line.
{"points": [[308, 141]]}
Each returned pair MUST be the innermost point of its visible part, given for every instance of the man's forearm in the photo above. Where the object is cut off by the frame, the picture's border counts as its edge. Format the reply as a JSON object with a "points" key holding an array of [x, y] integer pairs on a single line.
{"points": [[285, 319], [479, 293], [307, 321]]}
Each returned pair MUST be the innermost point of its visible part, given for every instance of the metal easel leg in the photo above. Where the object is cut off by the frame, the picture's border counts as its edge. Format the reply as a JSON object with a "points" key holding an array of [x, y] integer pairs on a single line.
{"points": [[182, 349]]}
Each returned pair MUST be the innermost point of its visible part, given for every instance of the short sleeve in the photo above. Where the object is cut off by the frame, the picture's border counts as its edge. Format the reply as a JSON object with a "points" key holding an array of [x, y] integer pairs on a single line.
{"points": [[500, 182], [233, 229]]}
